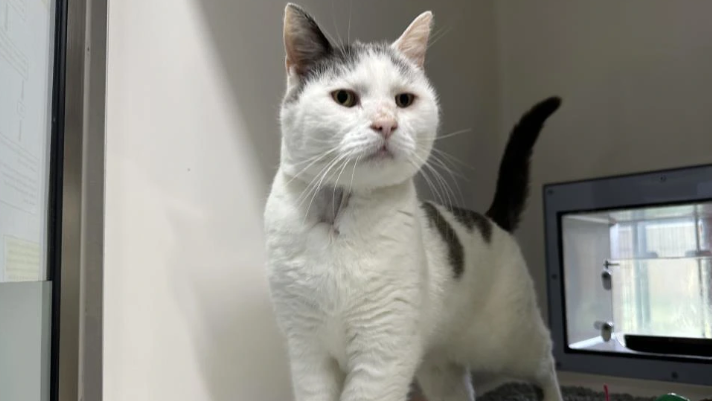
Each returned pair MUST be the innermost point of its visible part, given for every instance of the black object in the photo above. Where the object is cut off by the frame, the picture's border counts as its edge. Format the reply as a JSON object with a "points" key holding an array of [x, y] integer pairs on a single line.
{"points": [[56, 160], [669, 345]]}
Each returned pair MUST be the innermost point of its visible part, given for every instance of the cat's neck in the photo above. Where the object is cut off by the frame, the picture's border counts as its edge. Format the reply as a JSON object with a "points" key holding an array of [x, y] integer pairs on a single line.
{"points": [[327, 203]]}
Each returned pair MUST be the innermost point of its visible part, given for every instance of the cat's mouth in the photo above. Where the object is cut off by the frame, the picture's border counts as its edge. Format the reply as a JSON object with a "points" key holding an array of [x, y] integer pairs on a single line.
{"points": [[382, 153]]}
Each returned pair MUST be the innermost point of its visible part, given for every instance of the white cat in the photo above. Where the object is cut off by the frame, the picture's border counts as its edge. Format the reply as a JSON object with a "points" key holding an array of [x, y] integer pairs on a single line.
{"points": [[372, 287]]}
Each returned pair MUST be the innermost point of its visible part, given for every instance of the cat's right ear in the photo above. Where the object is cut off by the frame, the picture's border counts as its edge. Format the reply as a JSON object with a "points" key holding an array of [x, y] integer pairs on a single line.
{"points": [[304, 42], [413, 43]]}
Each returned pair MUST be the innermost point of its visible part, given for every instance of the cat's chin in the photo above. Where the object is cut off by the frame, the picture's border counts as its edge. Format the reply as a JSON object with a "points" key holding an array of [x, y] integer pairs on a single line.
{"points": [[381, 155], [382, 172]]}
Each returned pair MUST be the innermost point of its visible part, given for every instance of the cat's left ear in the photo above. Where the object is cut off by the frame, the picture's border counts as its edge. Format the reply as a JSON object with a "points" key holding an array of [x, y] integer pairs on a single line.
{"points": [[413, 43], [304, 42]]}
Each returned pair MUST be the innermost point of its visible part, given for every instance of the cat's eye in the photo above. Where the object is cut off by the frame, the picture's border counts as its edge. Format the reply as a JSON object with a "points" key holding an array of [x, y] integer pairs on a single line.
{"points": [[345, 97], [404, 100]]}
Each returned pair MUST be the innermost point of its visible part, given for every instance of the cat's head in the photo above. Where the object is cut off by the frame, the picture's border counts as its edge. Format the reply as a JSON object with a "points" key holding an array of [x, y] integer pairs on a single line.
{"points": [[357, 115]]}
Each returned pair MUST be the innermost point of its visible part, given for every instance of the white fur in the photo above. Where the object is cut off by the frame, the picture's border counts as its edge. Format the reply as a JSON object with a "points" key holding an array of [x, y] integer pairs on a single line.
{"points": [[316, 125], [369, 301]]}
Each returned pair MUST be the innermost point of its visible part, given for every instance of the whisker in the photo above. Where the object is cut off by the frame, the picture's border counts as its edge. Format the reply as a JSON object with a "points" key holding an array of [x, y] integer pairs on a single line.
{"points": [[333, 19], [436, 189], [312, 184], [440, 163], [315, 157], [353, 173], [316, 160], [318, 186], [438, 35], [442, 182], [428, 181], [348, 32], [455, 133], [448, 187], [311, 189], [336, 184], [338, 177], [329, 37], [453, 159], [450, 183]]}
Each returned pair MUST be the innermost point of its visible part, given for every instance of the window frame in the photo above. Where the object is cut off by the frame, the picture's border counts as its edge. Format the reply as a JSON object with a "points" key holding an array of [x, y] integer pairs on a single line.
{"points": [[76, 199], [665, 187]]}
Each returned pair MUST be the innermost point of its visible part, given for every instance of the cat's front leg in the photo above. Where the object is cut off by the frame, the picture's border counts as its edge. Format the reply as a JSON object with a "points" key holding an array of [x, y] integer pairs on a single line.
{"points": [[382, 360], [316, 376]]}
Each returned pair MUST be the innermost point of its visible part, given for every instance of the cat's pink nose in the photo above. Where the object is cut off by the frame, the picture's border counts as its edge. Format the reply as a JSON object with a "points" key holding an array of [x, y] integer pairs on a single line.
{"points": [[385, 126]]}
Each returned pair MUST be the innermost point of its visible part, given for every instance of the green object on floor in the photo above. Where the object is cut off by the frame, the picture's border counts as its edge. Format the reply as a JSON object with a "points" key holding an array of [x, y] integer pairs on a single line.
{"points": [[671, 397]]}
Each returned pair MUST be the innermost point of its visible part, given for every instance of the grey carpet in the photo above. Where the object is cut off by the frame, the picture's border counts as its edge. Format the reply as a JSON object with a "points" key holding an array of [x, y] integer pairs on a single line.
{"points": [[525, 392]]}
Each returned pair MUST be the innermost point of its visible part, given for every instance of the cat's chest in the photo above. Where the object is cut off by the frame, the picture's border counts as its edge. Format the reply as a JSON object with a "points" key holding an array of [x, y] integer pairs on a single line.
{"points": [[335, 262], [344, 247], [319, 275]]}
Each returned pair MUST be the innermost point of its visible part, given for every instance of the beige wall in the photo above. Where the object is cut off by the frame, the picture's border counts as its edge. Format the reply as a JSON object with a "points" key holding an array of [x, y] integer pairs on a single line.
{"points": [[636, 78], [192, 142]]}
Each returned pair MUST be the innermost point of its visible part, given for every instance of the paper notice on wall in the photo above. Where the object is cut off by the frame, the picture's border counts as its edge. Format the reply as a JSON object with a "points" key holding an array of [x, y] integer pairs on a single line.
{"points": [[23, 261], [26, 53]]}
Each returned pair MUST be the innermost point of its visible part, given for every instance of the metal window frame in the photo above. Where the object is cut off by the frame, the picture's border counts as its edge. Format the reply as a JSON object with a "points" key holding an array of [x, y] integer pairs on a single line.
{"points": [[674, 186], [77, 195]]}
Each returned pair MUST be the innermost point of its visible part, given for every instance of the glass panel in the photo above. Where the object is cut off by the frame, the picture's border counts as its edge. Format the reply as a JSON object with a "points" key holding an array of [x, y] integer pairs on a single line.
{"points": [[660, 265], [586, 248], [26, 77], [26, 32], [674, 303]]}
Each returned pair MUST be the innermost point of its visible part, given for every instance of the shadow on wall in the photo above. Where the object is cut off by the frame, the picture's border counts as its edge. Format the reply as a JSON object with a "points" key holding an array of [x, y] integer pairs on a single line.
{"points": [[237, 344], [244, 34]]}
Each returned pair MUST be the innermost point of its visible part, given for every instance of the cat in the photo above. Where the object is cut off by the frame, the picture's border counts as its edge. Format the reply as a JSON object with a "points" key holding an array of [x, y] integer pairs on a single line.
{"points": [[372, 288]]}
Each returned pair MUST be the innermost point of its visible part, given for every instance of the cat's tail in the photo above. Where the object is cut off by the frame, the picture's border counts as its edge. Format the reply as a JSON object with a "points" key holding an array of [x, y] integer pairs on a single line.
{"points": [[512, 191]]}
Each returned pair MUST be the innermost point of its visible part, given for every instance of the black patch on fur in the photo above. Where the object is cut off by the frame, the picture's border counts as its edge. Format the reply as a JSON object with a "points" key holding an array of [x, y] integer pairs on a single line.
{"points": [[513, 181], [472, 219], [448, 234]]}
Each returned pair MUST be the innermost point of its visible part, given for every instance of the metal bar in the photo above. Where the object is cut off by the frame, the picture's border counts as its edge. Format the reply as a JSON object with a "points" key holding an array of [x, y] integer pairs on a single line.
{"points": [[81, 279], [68, 365], [92, 289]]}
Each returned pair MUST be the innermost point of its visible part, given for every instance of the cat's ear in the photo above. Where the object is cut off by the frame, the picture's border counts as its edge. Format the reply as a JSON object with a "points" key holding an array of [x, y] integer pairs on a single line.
{"points": [[413, 43], [304, 42]]}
